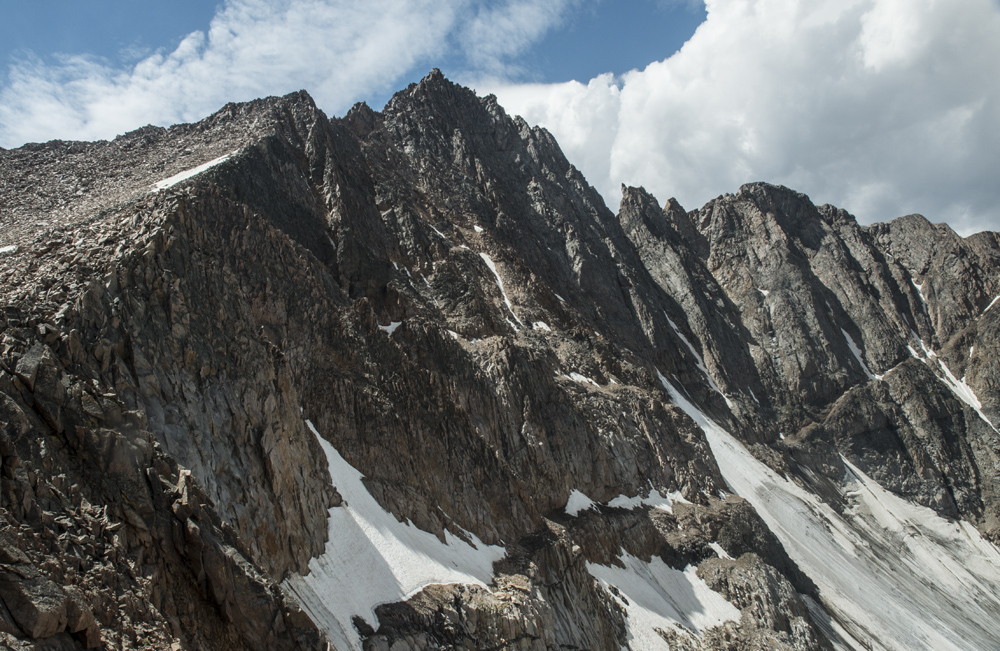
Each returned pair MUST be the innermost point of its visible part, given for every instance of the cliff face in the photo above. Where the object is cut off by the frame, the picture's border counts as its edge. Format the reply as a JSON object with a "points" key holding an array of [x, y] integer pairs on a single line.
{"points": [[216, 386]]}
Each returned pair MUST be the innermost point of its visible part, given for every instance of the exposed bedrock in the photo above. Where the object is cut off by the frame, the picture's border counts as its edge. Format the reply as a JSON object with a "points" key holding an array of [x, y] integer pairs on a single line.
{"points": [[440, 294]]}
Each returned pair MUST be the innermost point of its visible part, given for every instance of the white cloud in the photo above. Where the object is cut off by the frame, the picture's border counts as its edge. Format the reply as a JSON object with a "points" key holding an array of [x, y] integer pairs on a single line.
{"points": [[883, 107], [496, 33], [339, 50], [880, 106]]}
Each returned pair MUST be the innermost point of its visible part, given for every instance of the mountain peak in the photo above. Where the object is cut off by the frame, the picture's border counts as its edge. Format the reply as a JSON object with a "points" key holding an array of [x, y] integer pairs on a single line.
{"points": [[435, 75], [250, 361]]}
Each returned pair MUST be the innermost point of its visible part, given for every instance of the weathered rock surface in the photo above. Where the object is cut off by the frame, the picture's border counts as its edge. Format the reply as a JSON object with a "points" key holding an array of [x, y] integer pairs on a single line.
{"points": [[440, 292], [821, 319]]}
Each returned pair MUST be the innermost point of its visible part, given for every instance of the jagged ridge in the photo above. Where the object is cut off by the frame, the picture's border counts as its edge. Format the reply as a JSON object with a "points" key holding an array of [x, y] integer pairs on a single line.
{"points": [[534, 325]]}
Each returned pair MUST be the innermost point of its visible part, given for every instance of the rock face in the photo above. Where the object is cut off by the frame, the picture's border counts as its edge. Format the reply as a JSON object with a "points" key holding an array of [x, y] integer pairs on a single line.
{"points": [[843, 322], [438, 293]]}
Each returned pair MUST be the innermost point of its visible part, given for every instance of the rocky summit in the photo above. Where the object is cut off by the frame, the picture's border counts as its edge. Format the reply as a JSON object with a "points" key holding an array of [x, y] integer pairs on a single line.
{"points": [[401, 380]]}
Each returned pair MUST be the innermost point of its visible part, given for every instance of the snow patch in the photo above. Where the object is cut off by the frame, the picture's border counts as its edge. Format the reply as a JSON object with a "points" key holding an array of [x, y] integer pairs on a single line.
{"points": [[992, 303], [958, 387], [698, 361], [576, 377], [541, 325], [478, 229], [391, 328], [896, 576], [489, 263], [764, 292], [653, 498], [719, 551], [857, 355], [964, 393], [561, 299], [920, 293], [443, 236], [371, 559], [578, 502], [186, 174], [928, 352], [658, 596]]}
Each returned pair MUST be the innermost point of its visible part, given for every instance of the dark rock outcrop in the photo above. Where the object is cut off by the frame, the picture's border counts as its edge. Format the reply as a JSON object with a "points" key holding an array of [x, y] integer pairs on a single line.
{"points": [[442, 295]]}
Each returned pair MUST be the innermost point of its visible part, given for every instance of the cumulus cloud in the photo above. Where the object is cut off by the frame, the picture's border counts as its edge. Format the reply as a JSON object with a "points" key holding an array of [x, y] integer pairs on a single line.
{"points": [[339, 50], [583, 117], [497, 33], [883, 107]]}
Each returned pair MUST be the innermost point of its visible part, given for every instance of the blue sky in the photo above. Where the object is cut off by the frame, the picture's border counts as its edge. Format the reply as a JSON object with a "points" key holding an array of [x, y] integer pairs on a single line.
{"points": [[119, 30], [600, 36], [882, 107]]}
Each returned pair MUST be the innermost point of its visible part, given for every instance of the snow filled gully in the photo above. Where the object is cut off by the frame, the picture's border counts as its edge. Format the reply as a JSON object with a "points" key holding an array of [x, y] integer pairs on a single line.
{"points": [[893, 575], [372, 559]]}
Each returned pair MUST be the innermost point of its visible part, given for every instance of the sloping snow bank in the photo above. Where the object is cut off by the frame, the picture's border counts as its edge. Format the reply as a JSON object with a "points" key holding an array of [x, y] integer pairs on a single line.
{"points": [[658, 596], [496, 275], [371, 559], [895, 575], [857, 355], [186, 174]]}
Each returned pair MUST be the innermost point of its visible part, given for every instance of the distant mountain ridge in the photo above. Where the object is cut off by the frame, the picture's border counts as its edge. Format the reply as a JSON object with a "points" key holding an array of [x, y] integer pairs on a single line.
{"points": [[230, 348]]}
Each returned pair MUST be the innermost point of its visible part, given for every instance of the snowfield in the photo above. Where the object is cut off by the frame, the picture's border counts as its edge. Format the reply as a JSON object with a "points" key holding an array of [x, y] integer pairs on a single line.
{"points": [[372, 559], [893, 575], [658, 596]]}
